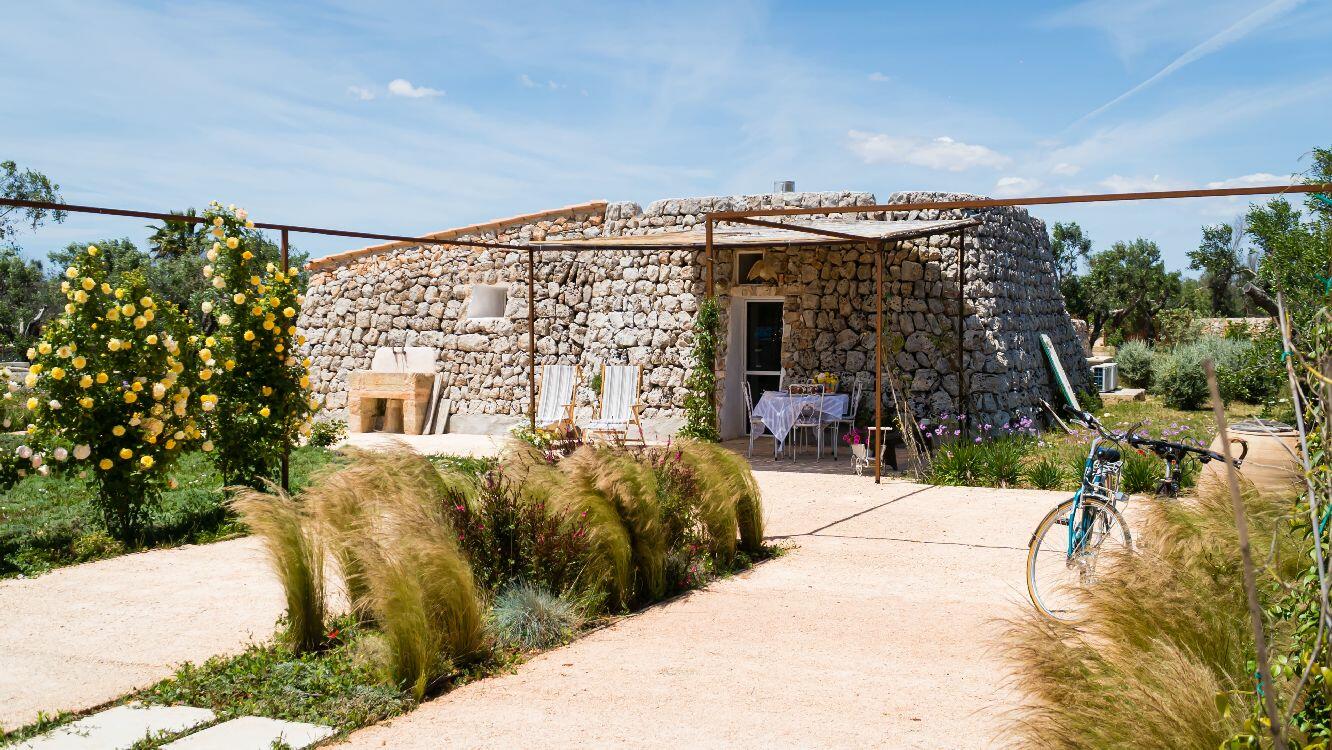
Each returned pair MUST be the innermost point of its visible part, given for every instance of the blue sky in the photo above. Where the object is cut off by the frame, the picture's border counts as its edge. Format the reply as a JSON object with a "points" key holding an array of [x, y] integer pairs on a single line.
{"points": [[410, 117]]}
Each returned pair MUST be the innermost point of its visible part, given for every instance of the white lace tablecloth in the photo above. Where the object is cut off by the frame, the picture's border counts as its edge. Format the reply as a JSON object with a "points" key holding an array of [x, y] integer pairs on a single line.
{"points": [[778, 410]]}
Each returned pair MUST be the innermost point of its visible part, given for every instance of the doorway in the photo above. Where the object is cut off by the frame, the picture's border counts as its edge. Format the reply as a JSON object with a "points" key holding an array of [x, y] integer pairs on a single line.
{"points": [[753, 354]]}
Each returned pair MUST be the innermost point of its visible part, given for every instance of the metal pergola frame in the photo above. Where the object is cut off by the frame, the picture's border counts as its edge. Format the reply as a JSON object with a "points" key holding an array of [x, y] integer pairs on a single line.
{"points": [[711, 219]]}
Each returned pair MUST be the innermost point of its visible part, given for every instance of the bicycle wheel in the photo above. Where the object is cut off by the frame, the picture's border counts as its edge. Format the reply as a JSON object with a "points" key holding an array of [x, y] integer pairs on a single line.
{"points": [[1057, 576]]}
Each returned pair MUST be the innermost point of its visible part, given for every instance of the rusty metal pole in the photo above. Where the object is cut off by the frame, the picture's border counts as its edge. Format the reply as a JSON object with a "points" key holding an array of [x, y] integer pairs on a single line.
{"points": [[962, 405], [531, 338], [286, 440], [878, 363]]}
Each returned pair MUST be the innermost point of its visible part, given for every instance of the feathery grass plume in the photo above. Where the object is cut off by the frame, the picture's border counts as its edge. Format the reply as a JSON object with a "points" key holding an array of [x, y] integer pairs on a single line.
{"points": [[610, 565], [1166, 633], [729, 502], [630, 483], [348, 505], [297, 556]]}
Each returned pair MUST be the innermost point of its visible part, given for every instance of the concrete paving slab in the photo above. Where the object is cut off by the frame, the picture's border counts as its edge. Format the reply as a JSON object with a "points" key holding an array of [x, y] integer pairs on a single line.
{"points": [[253, 733], [119, 727]]}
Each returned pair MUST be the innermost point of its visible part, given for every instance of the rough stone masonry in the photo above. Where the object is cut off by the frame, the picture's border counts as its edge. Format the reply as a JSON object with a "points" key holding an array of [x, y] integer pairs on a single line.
{"points": [[637, 306]]}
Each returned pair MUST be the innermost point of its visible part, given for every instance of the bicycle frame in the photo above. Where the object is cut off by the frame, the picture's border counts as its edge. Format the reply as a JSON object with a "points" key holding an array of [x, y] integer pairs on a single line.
{"points": [[1097, 476]]}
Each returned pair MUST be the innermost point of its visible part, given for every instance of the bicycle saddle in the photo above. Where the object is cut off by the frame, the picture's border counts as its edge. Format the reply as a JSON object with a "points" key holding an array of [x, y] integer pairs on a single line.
{"points": [[1107, 453]]}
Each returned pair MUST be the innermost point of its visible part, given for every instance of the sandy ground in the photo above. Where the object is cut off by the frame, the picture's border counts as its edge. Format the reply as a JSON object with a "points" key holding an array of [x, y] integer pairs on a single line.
{"points": [[878, 629], [84, 635]]}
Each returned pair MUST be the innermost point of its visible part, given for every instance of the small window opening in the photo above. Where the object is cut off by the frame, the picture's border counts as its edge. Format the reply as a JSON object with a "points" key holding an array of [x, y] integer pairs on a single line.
{"points": [[488, 301], [744, 266]]}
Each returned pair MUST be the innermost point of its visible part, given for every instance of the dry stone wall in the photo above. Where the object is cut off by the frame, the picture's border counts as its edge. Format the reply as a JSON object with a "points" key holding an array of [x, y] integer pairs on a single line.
{"points": [[638, 306]]}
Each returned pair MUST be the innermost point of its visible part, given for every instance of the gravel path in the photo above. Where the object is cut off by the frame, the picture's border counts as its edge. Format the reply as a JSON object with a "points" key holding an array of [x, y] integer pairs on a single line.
{"points": [[879, 630]]}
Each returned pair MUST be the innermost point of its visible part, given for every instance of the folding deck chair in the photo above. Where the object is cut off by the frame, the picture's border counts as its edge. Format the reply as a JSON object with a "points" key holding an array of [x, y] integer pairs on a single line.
{"points": [[620, 386], [555, 404]]}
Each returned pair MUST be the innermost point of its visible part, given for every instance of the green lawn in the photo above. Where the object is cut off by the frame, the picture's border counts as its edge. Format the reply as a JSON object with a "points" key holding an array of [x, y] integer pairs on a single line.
{"points": [[47, 522]]}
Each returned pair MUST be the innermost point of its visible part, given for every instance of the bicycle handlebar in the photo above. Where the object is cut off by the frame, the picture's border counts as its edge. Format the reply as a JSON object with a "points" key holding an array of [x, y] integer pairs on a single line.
{"points": [[1159, 447]]}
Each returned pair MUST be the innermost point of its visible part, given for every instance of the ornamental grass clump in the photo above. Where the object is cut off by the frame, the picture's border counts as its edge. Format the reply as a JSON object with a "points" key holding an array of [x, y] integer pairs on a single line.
{"points": [[113, 392], [630, 483], [296, 553], [528, 617], [729, 503], [1162, 658], [574, 491], [258, 389]]}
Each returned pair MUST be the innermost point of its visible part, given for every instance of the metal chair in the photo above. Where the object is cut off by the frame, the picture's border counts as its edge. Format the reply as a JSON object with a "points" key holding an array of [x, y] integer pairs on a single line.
{"points": [[809, 416], [852, 409], [756, 426]]}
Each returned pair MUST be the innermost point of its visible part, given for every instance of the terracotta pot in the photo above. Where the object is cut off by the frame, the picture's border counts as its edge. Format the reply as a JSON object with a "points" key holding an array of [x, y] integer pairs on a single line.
{"points": [[1269, 465]]}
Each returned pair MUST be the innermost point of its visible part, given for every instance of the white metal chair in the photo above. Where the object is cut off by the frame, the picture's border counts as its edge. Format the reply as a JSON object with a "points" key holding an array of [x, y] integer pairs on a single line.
{"points": [[808, 416], [555, 404], [756, 425], [620, 407], [852, 409]]}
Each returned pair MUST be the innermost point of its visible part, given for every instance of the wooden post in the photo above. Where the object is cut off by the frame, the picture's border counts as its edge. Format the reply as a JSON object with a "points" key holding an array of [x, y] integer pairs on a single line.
{"points": [[531, 338], [878, 363], [711, 256], [286, 443], [962, 406]]}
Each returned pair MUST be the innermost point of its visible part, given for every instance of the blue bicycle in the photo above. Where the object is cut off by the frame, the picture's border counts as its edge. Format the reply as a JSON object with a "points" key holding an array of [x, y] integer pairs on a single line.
{"points": [[1068, 544]]}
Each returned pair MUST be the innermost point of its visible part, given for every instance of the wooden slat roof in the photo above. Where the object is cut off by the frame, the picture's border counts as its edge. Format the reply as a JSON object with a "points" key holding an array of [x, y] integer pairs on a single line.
{"points": [[870, 230]]}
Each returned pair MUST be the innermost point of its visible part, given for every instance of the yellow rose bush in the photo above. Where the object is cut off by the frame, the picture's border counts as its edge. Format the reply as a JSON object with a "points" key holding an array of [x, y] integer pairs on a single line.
{"points": [[113, 392], [256, 386]]}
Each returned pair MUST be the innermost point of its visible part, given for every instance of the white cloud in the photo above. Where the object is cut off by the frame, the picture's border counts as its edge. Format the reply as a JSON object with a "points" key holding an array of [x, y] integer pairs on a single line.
{"points": [[1215, 43], [878, 77], [1120, 184], [1249, 180], [361, 92], [1065, 169], [404, 87], [526, 81], [1008, 187], [940, 153]]}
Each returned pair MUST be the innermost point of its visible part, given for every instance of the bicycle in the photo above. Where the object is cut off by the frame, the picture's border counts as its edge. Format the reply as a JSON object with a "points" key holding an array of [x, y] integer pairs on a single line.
{"points": [[1067, 545]]}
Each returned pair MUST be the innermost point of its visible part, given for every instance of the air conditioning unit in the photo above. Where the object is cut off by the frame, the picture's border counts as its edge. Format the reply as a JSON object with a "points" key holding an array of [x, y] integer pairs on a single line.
{"points": [[1106, 377]]}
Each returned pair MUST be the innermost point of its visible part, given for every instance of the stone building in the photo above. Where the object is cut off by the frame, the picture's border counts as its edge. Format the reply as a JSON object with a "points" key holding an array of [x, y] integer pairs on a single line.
{"points": [[790, 307]]}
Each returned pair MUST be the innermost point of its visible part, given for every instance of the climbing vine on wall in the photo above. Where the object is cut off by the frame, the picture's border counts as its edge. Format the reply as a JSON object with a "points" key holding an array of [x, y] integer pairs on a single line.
{"points": [[700, 408]]}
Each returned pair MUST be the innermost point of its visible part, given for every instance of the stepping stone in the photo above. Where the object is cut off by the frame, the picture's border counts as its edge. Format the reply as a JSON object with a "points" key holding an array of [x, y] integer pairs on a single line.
{"points": [[1124, 394], [119, 727], [253, 733]]}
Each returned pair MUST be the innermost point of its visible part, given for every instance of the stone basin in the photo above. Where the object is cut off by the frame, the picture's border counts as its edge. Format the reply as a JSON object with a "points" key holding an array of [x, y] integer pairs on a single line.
{"points": [[407, 395]]}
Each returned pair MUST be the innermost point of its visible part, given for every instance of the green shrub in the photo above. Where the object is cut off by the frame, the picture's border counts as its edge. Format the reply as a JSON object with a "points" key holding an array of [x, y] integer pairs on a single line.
{"points": [[1045, 474], [1180, 378], [1141, 472], [1135, 359], [328, 433], [527, 617], [958, 464], [729, 501], [1177, 326], [700, 411], [1001, 460]]}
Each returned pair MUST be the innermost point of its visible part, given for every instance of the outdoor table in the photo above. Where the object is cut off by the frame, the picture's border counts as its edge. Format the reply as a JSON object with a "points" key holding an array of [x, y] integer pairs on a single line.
{"points": [[778, 410]]}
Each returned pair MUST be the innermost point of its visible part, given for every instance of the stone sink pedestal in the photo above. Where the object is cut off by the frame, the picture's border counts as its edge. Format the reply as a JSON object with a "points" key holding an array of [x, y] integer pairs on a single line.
{"points": [[407, 397]]}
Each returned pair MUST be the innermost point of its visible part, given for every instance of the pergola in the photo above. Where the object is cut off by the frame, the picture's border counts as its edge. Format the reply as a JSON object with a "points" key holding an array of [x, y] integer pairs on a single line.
{"points": [[806, 233]]}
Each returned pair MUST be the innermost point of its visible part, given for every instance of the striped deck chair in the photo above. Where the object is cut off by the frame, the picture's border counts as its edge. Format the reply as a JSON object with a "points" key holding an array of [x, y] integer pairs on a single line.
{"points": [[620, 385], [555, 405]]}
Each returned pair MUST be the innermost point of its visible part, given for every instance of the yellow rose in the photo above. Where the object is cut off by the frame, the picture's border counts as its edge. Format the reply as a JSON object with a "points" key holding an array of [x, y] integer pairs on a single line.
{"points": [[32, 403], [43, 348], [210, 341], [274, 301], [79, 362], [217, 221], [87, 284], [289, 312], [254, 281], [152, 338], [71, 272], [85, 381], [118, 430], [249, 336], [86, 402], [131, 397], [146, 301], [136, 386], [207, 446], [80, 297], [70, 308], [229, 364], [149, 315], [205, 374], [113, 345], [219, 282], [233, 243], [126, 453], [264, 412], [238, 298], [92, 250], [113, 314], [146, 462], [128, 309], [106, 288], [120, 294], [205, 354], [247, 255], [57, 373], [36, 368], [268, 325], [266, 391], [101, 377], [140, 321], [170, 444], [104, 464], [279, 348]]}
